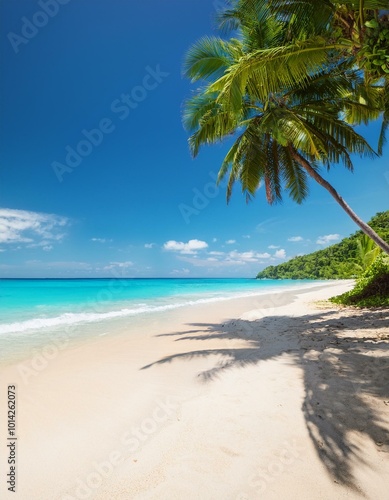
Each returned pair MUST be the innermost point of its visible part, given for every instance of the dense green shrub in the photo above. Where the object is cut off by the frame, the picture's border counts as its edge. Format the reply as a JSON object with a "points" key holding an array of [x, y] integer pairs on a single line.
{"points": [[372, 289]]}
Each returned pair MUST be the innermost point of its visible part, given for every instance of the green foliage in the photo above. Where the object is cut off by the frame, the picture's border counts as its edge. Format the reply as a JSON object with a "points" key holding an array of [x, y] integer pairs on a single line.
{"points": [[368, 251], [371, 290], [374, 54], [279, 97], [317, 32], [289, 93], [340, 261]]}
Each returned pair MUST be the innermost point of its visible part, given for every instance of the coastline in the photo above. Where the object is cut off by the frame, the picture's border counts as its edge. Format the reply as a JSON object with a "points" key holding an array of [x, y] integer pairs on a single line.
{"points": [[268, 396], [97, 317]]}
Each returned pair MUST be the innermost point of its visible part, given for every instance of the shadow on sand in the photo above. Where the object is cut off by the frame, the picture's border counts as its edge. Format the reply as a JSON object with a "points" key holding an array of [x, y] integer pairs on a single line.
{"points": [[341, 373]]}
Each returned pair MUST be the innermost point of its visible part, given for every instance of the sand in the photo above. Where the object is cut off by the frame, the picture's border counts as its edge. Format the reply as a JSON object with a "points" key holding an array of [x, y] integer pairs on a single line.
{"points": [[281, 397]]}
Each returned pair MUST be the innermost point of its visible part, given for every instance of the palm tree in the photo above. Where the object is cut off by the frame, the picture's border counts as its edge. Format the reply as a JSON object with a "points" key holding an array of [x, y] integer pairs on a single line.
{"points": [[286, 119], [357, 30]]}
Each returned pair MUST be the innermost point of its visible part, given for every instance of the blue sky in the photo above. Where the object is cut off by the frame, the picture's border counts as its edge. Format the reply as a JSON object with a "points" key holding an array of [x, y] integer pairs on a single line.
{"points": [[134, 203]]}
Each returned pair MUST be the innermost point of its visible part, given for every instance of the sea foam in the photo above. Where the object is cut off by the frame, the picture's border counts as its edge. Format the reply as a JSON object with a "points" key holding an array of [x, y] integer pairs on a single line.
{"points": [[90, 317]]}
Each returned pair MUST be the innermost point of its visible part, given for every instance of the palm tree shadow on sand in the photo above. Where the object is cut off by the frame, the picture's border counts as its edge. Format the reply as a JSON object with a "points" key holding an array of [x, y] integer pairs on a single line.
{"points": [[341, 374]]}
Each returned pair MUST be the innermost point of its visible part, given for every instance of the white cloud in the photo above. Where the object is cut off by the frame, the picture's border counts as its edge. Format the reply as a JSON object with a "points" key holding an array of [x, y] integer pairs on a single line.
{"points": [[100, 240], [250, 256], [295, 238], [149, 245], [118, 265], [246, 236], [190, 247], [323, 240], [273, 247], [34, 228], [211, 263], [47, 248], [184, 270], [233, 258], [230, 242], [42, 244], [280, 254]]}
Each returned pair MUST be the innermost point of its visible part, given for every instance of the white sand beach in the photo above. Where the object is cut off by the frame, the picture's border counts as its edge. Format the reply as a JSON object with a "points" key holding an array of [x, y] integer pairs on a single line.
{"points": [[274, 397]]}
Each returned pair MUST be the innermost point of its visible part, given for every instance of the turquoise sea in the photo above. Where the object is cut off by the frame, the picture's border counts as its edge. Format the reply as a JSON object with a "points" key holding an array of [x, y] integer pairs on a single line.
{"points": [[39, 304]]}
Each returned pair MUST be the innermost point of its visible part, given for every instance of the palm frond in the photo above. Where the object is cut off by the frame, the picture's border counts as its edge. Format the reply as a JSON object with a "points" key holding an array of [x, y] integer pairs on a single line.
{"points": [[382, 137], [385, 117], [212, 128], [356, 113], [229, 159], [294, 176], [272, 173], [289, 127], [305, 17], [210, 57], [266, 71], [197, 107]]}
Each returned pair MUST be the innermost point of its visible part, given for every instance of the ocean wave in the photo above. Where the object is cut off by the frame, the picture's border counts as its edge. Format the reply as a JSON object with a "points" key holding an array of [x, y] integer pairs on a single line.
{"points": [[90, 317]]}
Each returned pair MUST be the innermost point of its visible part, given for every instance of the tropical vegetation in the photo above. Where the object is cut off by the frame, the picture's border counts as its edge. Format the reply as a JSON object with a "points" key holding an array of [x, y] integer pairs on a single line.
{"points": [[346, 259], [372, 288], [367, 252], [288, 86]]}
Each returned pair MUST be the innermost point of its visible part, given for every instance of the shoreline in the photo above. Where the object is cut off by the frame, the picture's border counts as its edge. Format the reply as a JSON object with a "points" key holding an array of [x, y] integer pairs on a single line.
{"points": [[24, 341], [150, 306], [265, 396]]}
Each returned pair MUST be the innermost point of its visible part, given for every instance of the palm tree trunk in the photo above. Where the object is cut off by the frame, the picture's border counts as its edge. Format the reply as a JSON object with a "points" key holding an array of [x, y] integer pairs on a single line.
{"points": [[318, 178]]}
